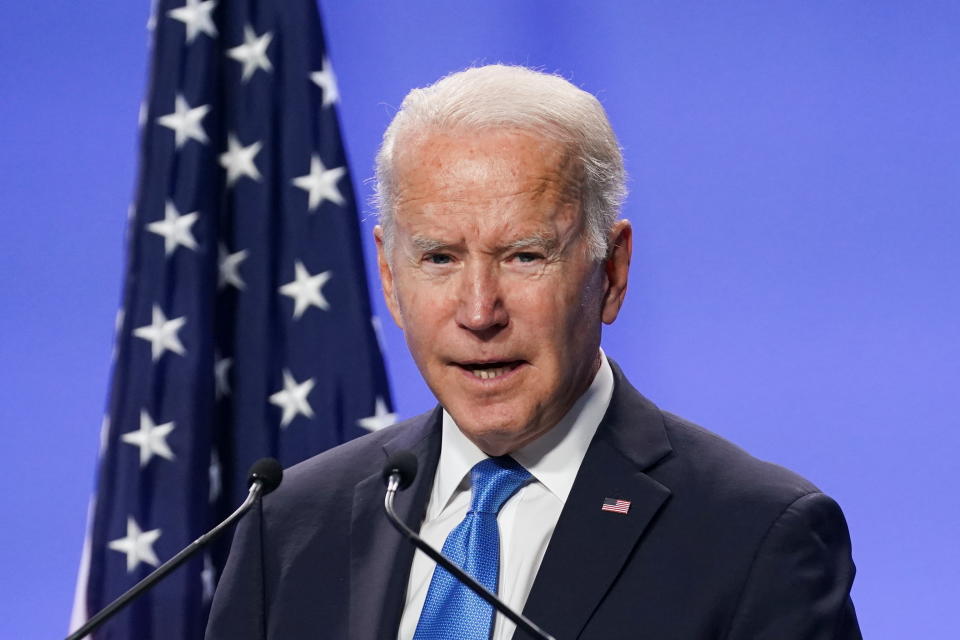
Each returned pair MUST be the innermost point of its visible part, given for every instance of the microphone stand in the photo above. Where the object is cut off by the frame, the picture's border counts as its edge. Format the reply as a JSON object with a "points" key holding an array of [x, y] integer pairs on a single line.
{"points": [[393, 484], [93, 623]]}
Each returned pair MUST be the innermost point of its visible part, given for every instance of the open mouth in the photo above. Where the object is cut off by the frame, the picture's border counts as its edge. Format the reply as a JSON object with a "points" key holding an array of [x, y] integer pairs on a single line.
{"points": [[490, 370]]}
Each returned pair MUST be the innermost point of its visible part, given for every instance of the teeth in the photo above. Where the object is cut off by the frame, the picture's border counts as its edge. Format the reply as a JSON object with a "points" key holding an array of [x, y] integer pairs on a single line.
{"points": [[489, 374]]}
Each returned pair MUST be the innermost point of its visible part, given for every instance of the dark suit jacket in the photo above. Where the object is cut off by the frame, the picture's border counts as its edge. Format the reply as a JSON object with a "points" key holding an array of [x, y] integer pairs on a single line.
{"points": [[716, 544]]}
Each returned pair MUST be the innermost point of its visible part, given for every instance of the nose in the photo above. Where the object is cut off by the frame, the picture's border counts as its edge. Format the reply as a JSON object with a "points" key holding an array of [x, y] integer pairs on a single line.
{"points": [[480, 307]]}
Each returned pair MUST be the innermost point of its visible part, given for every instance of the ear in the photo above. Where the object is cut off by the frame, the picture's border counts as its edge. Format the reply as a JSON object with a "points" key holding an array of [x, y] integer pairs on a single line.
{"points": [[386, 277], [617, 268]]}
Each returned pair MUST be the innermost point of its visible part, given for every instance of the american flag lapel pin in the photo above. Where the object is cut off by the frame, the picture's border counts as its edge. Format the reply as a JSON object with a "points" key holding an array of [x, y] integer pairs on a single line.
{"points": [[616, 506]]}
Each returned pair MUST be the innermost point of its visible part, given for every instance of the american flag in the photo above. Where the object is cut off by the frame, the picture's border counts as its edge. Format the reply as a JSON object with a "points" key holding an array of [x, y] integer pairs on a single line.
{"points": [[246, 327], [616, 506]]}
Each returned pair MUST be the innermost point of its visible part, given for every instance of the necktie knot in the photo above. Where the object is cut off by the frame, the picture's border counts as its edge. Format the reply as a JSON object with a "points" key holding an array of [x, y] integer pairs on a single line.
{"points": [[494, 481]]}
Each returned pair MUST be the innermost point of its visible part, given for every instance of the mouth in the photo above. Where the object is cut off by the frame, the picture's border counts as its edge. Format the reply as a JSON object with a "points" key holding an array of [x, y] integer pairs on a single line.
{"points": [[490, 370]]}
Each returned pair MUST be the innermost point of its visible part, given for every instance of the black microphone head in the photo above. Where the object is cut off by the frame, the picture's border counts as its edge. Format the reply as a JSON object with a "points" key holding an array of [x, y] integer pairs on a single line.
{"points": [[268, 471], [404, 464]]}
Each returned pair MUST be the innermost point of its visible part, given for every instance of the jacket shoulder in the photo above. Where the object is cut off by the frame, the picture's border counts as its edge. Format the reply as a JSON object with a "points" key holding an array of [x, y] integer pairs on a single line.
{"points": [[338, 470], [704, 464]]}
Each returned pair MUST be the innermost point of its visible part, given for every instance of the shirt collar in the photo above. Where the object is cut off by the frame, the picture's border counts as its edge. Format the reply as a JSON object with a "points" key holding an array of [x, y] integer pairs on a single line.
{"points": [[553, 459]]}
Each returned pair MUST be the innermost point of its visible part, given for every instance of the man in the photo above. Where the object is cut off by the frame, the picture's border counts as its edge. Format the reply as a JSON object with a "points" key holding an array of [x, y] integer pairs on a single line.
{"points": [[542, 470]]}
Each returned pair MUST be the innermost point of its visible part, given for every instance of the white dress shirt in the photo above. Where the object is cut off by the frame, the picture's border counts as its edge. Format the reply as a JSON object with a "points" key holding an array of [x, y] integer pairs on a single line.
{"points": [[528, 518]]}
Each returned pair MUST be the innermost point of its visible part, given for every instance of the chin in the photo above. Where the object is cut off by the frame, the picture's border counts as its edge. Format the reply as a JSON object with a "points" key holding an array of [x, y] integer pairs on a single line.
{"points": [[496, 437]]}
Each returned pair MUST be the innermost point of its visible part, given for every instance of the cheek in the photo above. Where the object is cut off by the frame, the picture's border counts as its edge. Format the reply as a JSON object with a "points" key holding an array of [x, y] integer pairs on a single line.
{"points": [[591, 296], [551, 310], [576, 310], [423, 309]]}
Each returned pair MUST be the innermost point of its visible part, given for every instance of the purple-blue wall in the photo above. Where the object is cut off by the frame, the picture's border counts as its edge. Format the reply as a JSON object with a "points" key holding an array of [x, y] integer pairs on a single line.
{"points": [[795, 179]]}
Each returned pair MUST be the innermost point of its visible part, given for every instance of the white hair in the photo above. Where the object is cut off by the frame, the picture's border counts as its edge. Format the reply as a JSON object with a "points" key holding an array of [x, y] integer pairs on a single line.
{"points": [[497, 96]]}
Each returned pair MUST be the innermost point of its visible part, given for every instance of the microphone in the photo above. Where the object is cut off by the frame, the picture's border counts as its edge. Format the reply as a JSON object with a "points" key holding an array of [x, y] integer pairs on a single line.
{"points": [[264, 476], [398, 473], [267, 472]]}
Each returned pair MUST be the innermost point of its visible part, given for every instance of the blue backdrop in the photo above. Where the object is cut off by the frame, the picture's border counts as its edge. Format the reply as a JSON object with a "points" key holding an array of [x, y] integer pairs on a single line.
{"points": [[795, 190]]}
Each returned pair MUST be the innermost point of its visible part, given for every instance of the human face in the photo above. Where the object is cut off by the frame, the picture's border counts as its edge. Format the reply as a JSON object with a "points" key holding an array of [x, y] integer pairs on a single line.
{"points": [[492, 281]]}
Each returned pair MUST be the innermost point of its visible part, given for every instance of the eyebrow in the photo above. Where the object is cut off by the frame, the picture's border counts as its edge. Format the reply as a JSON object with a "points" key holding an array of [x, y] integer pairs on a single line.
{"points": [[426, 244], [543, 241]]}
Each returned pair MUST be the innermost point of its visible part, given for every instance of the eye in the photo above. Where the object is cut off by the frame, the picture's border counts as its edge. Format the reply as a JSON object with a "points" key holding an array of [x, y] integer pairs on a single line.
{"points": [[438, 258], [527, 257]]}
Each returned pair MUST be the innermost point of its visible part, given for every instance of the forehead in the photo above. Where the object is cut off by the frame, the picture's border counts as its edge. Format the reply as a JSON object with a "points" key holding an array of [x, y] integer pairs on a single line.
{"points": [[482, 178]]}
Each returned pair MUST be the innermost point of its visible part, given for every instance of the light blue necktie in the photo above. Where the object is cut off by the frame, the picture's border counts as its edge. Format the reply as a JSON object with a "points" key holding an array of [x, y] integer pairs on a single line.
{"points": [[452, 610]]}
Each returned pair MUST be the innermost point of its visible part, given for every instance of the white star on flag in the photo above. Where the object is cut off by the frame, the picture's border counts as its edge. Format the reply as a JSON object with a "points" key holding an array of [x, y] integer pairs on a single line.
{"points": [[196, 15], [221, 372], [229, 265], [175, 229], [321, 183], [293, 398], [185, 121], [381, 417], [151, 438], [305, 290], [238, 160], [327, 81], [138, 545], [162, 334], [252, 53]]}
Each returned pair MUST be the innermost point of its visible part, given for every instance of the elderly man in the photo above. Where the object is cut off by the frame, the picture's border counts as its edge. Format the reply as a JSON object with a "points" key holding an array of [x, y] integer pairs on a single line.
{"points": [[542, 470]]}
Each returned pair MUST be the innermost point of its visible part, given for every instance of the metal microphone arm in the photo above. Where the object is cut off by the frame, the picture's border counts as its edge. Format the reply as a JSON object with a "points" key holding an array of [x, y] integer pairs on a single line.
{"points": [[93, 623], [393, 483]]}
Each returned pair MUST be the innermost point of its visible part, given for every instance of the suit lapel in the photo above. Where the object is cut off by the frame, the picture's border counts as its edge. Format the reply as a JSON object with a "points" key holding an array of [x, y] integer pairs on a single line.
{"points": [[380, 558], [590, 546]]}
